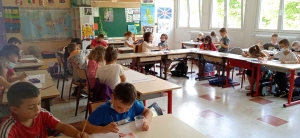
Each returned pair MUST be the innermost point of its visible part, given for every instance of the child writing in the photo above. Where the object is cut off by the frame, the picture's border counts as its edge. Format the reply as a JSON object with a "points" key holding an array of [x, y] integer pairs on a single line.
{"points": [[77, 58], [128, 41], [147, 46], [111, 74], [225, 41], [121, 109], [200, 37], [215, 38], [296, 46], [164, 46], [96, 59], [254, 52], [28, 119], [207, 45], [285, 56], [99, 41], [271, 45]]}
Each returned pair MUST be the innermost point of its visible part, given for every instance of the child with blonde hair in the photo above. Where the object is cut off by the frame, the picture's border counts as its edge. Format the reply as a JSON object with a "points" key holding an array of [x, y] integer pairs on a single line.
{"points": [[296, 46], [200, 37], [128, 41]]}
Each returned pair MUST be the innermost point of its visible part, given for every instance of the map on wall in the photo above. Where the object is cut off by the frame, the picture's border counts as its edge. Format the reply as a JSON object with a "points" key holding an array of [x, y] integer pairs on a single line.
{"points": [[147, 14], [45, 24]]}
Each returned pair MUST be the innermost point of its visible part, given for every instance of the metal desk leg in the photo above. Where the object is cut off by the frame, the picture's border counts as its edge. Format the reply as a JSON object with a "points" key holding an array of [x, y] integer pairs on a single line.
{"points": [[47, 104], [290, 103], [257, 81], [169, 102]]}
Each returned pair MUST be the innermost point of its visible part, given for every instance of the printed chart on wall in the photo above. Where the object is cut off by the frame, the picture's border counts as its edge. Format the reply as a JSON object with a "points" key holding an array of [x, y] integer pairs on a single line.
{"points": [[45, 24], [164, 19], [87, 22], [12, 19], [108, 14], [132, 15], [147, 14]]}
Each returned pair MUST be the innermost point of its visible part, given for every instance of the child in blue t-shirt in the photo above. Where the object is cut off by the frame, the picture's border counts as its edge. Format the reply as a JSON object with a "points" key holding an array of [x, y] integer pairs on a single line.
{"points": [[121, 109]]}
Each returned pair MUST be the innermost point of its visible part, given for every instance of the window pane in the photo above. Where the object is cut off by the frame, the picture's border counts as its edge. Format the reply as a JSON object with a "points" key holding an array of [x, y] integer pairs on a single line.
{"points": [[291, 15], [217, 18], [269, 14], [183, 13], [234, 14], [194, 13]]}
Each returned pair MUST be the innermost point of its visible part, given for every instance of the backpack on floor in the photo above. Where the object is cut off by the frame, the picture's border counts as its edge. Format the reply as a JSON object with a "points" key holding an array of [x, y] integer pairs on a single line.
{"points": [[264, 87], [296, 94], [209, 70], [180, 70], [219, 81]]}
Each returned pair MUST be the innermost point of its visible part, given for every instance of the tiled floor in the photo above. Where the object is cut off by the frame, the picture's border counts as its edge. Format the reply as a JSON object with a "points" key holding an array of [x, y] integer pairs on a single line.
{"points": [[213, 111]]}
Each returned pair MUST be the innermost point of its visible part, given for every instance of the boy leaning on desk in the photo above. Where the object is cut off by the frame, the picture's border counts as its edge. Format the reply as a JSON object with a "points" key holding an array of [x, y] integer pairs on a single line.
{"points": [[121, 109]]}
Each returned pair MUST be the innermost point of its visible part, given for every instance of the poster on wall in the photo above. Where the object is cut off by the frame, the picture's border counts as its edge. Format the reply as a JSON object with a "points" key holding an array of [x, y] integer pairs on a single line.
{"points": [[132, 14], [41, 2], [132, 28], [108, 14], [31, 1], [147, 14], [62, 1], [148, 29], [51, 1], [45, 24], [18, 2], [87, 11], [12, 19], [148, 1], [164, 19], [87, 31]]}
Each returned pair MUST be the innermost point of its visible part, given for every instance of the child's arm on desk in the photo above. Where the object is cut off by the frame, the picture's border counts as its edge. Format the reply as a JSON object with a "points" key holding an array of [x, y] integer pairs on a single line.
{"points": [[70, 130], [148, 118]]}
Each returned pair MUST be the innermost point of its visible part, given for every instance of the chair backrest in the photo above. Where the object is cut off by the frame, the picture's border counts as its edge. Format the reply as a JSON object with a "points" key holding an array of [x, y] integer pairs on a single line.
{"points": [[236, 50], [92, 106], [137, 48], [102, 92], [59, 60], [155, 109]]}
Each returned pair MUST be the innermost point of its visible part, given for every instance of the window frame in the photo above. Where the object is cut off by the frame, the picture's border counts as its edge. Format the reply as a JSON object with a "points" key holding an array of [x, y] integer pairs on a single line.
{"points": [[280, 17], [226, 8], [188, 10]]}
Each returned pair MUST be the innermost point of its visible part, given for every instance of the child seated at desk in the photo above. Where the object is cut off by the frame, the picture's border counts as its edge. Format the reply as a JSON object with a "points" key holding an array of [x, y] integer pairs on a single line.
{"points": [[254, 52], [147, 46], [200, 37], [78, 43], [99, 41], [77, 58], [111, 73], [271, 45], [121, 109], [15, 41], [96, 59], [285, 56], [28, 119], [164, 46], [215, 38], [296, 47], [16, 50], [225, 41], [128, 39]]}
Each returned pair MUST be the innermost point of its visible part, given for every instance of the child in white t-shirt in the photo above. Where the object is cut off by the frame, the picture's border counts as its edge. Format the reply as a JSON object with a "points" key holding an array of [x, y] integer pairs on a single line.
{"points": [[128, 41], [285, 56], [111, 74]]}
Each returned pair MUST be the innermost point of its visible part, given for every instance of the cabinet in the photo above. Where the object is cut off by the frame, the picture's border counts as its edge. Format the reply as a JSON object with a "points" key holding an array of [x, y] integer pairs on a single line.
{"points": [[82, 22]]}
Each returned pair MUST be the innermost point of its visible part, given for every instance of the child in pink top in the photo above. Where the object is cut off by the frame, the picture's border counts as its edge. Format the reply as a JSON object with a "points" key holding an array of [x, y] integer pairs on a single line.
{"points": [[96, 59]]}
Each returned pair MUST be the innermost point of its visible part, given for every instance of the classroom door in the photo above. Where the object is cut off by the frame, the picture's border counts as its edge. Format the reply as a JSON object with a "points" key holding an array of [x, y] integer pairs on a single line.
{"points": [[2, 27]]}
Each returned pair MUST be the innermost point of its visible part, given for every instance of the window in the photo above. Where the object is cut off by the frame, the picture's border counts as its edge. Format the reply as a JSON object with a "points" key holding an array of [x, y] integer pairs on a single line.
{"points": [[227, 13], [189, 13], [279, 15]]}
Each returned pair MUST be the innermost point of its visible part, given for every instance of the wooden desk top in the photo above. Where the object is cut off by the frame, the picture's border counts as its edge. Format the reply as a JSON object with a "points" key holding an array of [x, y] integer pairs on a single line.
{"points": [[28, 65], [277, 64], [165, 126], [36, 72], [192, 43], [51, 92]]}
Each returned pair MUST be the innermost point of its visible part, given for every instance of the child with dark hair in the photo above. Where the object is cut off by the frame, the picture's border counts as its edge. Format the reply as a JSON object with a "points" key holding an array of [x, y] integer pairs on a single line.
{"points": [[121, 109], [147, 46], [99, 41], [28, 119], [286, 57], [78, 43], [271, 45], [15, 41], [111, 74], [77, 58]]}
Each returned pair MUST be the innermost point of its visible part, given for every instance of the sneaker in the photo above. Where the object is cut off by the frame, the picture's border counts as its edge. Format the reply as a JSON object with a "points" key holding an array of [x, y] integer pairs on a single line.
{"points": [[247, 87], [82, 95], [278, 94]]}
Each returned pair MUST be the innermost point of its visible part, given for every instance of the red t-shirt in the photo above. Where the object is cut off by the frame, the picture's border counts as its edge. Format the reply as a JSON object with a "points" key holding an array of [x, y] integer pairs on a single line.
{"points": [[10, 72], [12, 128], [96, 43], [211, 47]]}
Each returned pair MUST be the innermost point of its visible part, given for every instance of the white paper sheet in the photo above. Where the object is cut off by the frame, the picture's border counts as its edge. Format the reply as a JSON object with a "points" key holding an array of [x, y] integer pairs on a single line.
{"points": [[38, 85], [135, 77], [124, 132]]}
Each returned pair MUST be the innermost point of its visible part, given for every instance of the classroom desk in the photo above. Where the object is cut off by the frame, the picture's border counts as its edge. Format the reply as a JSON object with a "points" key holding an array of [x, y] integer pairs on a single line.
{"points": [[36, 72], [190, 44], [288, 68], [47, 94], [154, 87], [126, 49], [28, 66], [165, 126]]}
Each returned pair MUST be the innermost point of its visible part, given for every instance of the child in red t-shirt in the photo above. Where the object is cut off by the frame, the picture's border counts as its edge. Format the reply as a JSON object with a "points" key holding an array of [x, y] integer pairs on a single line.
{"points": [[99, 41], [28, 119]]}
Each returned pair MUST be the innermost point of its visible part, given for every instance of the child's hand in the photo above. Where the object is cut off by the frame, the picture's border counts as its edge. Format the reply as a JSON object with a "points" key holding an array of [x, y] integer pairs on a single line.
{"points": [[82, 135], [23, 76], [112, 127], [244, 54], [145, 126], [221, 43], [259, 58]]}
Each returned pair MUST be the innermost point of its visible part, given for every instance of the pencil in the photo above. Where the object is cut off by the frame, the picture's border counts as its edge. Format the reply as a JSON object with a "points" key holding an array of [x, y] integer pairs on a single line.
{"points": [[26, 74], [83, 127]]}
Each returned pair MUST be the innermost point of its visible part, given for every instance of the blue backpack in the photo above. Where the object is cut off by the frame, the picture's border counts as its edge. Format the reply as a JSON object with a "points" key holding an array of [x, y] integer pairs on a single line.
{"points": [[219, 81], [208, 67]]}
